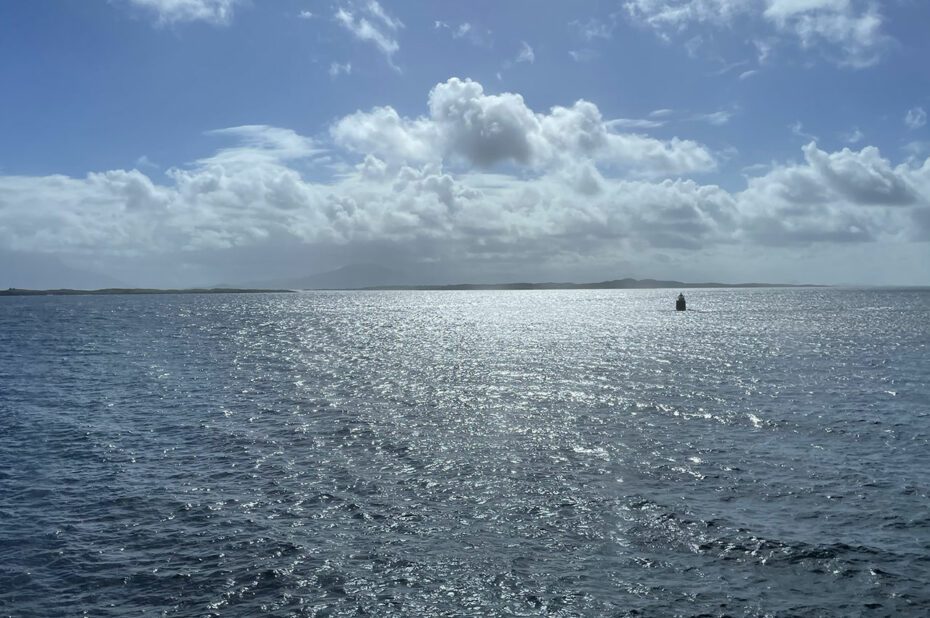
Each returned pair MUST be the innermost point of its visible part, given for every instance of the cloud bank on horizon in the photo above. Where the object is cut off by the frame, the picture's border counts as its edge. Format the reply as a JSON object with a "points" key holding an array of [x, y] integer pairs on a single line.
{"points": [[712, 139]]}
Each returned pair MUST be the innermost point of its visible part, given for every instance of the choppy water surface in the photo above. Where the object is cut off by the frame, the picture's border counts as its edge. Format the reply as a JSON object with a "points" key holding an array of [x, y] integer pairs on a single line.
{"points": [[554, 453]]}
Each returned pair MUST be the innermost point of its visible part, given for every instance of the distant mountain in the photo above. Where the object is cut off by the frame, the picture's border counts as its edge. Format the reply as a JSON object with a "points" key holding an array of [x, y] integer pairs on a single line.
{"points": [[37, 271], [616, 284], [353, 276], [377, 277], [131, 291]]}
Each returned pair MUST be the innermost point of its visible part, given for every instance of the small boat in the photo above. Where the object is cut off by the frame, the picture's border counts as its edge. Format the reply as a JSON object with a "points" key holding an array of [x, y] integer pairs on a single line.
{"points": [[680, 303]]}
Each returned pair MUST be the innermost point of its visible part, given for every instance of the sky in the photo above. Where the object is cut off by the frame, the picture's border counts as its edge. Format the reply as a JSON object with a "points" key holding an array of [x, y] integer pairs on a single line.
{"points": [[177, 143]]}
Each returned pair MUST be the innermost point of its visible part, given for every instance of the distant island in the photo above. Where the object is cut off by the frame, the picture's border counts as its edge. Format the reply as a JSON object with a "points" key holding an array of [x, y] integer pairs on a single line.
{"points": [[616, 284], [108, 291], [367, 276]]}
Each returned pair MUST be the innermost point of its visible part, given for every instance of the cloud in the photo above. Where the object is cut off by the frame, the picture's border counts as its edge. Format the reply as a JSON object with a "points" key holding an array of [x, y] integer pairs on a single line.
{"points": [[785, 9], [260, 144], [466, 125], [764, 49], [798, 129], [462, 30], [175, 11], [378, 12], [676, 15], [425, 213], [849, 32], [916, 149], [915, 118], [856, 34], [921, 220], [336, 69], [115, 212], [660, 117], [144, 162], [862, 177], [583, 55], [729, 67], [853, 137], [594, 29], [305, 15], [844, 197], [481, 180], [372, 27], [634, 123], [715, 118], [483, 129], [476, 35], [526, 53], [383, 132], [249, 196]]}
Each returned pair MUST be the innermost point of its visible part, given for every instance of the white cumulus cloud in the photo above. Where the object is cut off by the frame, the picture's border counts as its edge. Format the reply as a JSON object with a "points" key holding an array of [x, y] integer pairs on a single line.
{"points": [[844, 196], [427, 190], [467, 125]]}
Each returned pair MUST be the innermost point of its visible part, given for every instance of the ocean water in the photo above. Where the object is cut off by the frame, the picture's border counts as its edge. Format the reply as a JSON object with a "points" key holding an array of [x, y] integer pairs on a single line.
{"points": [[531, 453]]}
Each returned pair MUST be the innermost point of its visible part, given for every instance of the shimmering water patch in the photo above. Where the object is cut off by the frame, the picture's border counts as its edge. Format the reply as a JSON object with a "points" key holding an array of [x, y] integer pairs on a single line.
{"points": [[474, 453]]}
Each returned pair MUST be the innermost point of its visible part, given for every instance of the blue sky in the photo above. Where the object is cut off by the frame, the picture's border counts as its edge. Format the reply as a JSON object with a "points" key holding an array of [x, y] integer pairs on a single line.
{"points": [[190, 142]]}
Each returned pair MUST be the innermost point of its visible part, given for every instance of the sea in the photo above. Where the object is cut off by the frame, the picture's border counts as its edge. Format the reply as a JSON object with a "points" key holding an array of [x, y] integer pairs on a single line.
{"points": [[467, 453]]}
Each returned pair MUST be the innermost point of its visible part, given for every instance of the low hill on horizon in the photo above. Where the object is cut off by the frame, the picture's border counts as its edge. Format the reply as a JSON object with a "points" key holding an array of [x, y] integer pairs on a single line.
{"points": [[19, 269], [350, 277], [615, 284], [136, 291], [363, 276]]}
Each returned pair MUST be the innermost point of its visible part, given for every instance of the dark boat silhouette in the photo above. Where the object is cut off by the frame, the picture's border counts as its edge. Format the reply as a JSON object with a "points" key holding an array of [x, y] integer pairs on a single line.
{"points": [[680, 303]]}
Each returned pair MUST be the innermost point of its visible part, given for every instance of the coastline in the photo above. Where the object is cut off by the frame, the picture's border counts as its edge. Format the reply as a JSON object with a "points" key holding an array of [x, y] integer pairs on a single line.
{"points": [[116, 291]]}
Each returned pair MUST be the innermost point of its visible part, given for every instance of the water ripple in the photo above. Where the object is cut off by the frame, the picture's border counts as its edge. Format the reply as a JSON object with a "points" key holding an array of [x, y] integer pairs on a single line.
{"points": [[478, 453]]}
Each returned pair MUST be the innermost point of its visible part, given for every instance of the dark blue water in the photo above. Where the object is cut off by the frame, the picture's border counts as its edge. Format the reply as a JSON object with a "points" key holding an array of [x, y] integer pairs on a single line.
{"points": [[556, 453]]}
